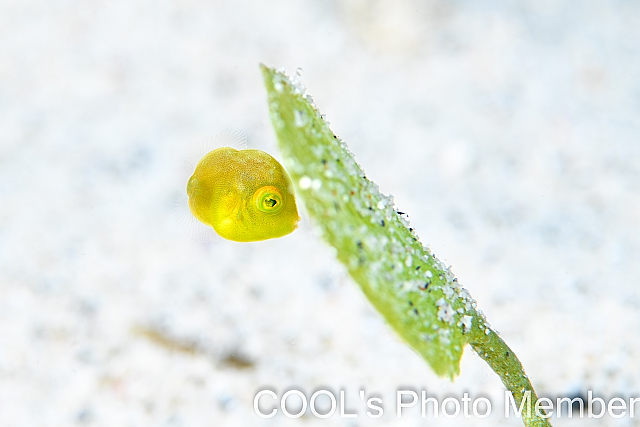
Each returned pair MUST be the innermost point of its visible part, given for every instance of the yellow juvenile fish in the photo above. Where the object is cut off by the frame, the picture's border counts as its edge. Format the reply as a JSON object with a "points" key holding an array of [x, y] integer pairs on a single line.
{"points": [[245, 195]]}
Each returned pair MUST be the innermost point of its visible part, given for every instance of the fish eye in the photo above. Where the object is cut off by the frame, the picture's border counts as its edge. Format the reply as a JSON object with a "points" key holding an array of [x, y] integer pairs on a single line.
{"points": [[268, 199]]}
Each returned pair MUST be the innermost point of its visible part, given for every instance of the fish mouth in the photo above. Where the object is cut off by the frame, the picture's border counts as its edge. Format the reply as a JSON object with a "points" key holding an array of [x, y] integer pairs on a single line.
{"points": [[192, 186], [296, 223]]}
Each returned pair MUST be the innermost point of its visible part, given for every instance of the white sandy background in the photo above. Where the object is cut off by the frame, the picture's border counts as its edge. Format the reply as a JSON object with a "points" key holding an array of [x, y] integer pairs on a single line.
{"points": [[509, 131]]}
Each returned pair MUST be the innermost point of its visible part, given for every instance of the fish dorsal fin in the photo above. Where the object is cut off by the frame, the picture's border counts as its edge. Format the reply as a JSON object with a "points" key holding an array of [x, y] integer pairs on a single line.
{"points": [[231, 138], [227, 138]]}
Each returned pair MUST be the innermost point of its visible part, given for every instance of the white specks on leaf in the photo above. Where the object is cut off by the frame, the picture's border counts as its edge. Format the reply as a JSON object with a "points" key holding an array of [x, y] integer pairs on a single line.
{"points": [[277, 84], [305, 182], [299, 118], [409, 261], [445, 311], [448, 292], [445, 336], [449, 274], [426, 337], [466, 322], [410, 285], [276, 118]]}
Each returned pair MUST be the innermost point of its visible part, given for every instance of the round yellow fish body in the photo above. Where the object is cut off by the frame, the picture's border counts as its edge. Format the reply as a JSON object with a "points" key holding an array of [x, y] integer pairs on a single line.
{"points": [[245, 195]]}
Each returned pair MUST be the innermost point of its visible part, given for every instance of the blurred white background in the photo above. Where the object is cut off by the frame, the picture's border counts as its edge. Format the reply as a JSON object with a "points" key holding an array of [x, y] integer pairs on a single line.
{"points": [[507, 130]]}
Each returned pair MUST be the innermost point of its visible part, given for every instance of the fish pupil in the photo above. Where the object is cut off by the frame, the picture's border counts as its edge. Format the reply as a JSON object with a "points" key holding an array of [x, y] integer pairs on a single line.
{"points": [[270, 202]]}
